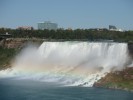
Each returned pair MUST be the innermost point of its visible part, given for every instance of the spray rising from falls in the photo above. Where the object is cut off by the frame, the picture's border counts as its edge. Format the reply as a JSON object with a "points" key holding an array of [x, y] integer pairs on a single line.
{"points": [[70, 63]]}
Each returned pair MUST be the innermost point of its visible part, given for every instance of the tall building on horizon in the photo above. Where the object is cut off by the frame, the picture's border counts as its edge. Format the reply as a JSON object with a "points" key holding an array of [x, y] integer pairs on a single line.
{"points": [[47, 25], [112, 27]]}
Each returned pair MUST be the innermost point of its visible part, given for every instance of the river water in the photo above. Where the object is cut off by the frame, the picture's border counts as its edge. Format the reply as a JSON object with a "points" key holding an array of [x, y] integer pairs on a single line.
{"points": [[11, 89]]}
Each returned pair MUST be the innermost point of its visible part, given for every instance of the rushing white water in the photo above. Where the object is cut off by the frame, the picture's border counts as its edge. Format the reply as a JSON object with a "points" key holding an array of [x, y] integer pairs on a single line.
{"points": [[70, 63]]}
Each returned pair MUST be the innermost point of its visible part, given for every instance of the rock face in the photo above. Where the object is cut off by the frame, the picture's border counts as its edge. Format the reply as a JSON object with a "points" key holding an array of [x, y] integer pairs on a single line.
{"points": [[130, 48], [17, 42], [117, 80], [12, 43]]}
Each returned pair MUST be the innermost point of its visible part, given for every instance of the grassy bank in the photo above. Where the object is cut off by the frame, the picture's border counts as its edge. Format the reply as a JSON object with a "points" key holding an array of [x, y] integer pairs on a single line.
{"points": [[6, 57]]}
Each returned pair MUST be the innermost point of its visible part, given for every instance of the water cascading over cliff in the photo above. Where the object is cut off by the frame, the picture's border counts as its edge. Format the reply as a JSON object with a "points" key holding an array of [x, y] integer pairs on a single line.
{"points": [[69, 63]]}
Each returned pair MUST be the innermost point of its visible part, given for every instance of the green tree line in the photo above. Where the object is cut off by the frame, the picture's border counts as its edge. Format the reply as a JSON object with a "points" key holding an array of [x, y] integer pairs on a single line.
{"points": [[79, 34]]}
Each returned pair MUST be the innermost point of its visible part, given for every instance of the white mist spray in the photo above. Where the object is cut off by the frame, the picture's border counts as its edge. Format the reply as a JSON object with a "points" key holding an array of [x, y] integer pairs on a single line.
{"points": [[70, 63]]}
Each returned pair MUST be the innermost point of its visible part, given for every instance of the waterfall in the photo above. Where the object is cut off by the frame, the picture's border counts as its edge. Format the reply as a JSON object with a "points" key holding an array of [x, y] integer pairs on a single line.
{"points": [[69, 63]]}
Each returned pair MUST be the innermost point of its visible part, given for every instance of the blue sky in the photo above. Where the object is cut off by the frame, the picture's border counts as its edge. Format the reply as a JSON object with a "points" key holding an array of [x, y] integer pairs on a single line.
{"points": [[67, 13]]}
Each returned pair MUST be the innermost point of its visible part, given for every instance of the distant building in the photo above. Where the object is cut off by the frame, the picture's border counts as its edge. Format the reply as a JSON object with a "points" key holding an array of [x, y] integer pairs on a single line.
{"points": [[25, 28], [6, 35], [47, 25], [113, 28]]}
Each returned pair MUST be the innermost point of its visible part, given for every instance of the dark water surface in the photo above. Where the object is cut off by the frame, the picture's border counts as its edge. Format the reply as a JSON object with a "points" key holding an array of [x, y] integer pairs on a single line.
{"points": [[31, 90]]}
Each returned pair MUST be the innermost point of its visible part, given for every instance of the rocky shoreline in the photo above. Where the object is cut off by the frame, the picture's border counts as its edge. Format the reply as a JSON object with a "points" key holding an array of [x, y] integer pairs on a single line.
{"points": [[122, 80]]}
